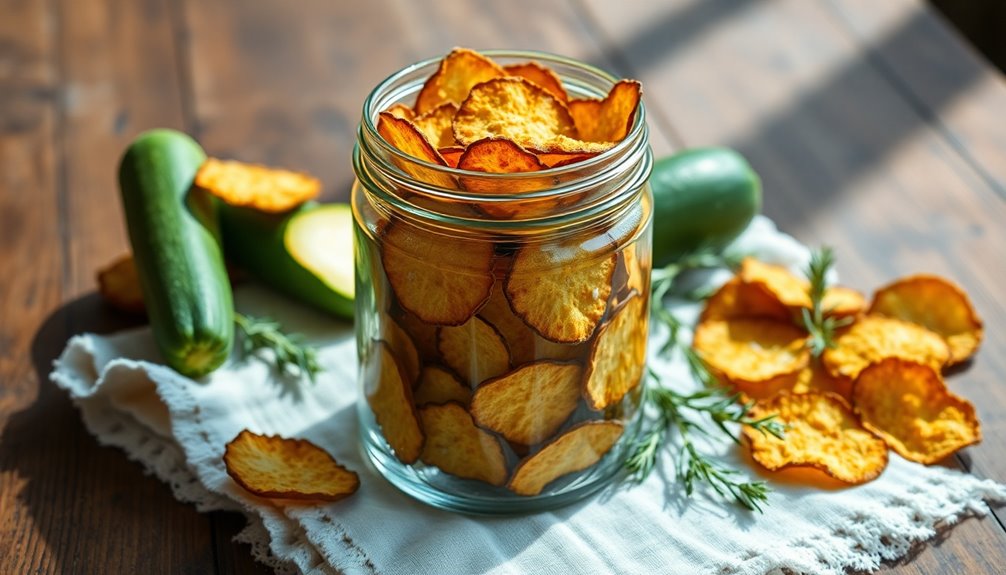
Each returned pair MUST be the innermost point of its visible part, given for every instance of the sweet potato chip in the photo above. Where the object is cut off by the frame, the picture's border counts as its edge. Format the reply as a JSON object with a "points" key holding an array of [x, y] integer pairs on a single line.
{"points": [[560, 290], [874, 338], [456, 446], [539, 75], [815, 377], [390, 398], [407, 138], [441, 279], [909, 406], [558, 159], [515, 109], [792, 291], [530, 403], [401, 111], [752, 353], [629, 277], [439, 385], [610, 119], [577, 449], [452, 155], [423, 336], [524, 343], [822, 432], [402, 347], [736, 299], [616, 361], [936, 304], [265, 189], [436, 125], [840, 301], [475, 350], [501, 156], [273, 466], [458, 73], [119, 285]]}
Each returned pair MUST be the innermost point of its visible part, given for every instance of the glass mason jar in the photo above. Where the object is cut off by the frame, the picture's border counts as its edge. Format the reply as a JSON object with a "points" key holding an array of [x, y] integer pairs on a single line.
{"points": [[501, 319]]}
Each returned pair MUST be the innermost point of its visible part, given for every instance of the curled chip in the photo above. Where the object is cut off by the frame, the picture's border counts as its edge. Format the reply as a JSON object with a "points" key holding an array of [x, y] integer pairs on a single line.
{"points": [[390, 398], [752, 354], [610, 119], [576, 450], [515, 109], [436, 125], [452, 155], [441, 279], [439, 385], [815, 377], [936, 304], [272, 466], [475, 350], [456, 446], [401, 111], [402, 347], [909, 406], [540, 75], [406, 137], [265, 189], [874, 338], [840, 301], [530, 403], [629, 277], [616, 361], [501, 156], [119, 285], [822, 432], [560, 290], [458, 73], [736, 299], [790, 290]]}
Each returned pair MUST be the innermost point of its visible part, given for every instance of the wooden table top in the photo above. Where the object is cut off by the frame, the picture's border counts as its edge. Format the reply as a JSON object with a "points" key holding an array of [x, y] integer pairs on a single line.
{"points": [[875, 128]]}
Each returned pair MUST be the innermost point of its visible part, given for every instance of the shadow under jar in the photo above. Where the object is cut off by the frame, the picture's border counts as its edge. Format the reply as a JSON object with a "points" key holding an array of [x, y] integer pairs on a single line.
{"points": [[501, 319]]}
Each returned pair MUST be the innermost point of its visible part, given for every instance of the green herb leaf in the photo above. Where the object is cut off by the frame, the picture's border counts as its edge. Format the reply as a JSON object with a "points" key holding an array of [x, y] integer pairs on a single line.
{"points": [[821, 329], [289, 352]]}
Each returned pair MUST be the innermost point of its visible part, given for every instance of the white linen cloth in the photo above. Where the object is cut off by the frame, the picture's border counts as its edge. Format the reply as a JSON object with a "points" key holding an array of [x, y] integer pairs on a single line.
{"points": [[176, 428]]}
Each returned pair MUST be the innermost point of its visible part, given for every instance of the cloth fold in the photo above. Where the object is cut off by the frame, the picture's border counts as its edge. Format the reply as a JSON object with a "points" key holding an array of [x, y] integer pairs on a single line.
{"points": [[177, 428]]}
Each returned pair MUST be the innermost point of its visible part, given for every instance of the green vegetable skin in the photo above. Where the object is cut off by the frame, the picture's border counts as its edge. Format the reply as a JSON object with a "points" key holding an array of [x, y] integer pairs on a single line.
{"points": [[703, 198], [306, 253], [173, 233]]}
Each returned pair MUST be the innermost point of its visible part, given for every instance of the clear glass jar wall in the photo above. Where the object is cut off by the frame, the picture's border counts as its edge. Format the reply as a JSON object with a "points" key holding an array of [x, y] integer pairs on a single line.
{"points": [[501, 318]]}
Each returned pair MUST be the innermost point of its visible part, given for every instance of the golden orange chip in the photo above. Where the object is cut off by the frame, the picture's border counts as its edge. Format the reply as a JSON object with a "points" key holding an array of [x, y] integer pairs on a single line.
{"points": [[407, 138], [441, 279], [936, 304], [565, 145], [790, 290], [119, 285], [436, 125], [577, 449], [873, 338], [401, 111], [752, 353], [840, 301], [273, 466], [560, 290], [815, 377], [524, 343], [402, 347], [475, 350], [423, 336], [736, 299], [390, 398], [439, 385], [458, 73], [629, 277], [822, 432], [501, 156], [610, 119], [909, 406], [456, 446], [265, 189], [540, 75], [515, 109], [530, 403], [559, 159], [452, 155], [616, 361]]}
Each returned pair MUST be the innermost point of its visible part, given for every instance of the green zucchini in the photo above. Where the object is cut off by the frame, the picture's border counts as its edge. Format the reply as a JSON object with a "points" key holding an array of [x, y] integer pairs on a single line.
{"points": [[703, 198], [306, 253], [173, 230]]}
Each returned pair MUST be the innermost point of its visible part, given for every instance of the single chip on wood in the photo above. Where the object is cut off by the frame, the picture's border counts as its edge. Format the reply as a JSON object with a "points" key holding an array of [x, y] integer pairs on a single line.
{"points": [[873, 338], [910, 407], [539, 75], [441, 279], [752, 353], [618, 356], [457, 74], [439, 385], [936, 304], [475, 350], [390, 398], [575, 450], [456, 446], [530, 403], [436, 125], [609, 119], [822, 432], [278, 467], [119, 285], [265, 189]]}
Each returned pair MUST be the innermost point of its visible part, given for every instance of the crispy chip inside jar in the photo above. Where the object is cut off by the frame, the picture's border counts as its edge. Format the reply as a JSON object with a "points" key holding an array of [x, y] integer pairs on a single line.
{"points": [[436, 125], [822, 432], [456, 446], [402, 346], [475, 350], [909, 406], [617, 358], [265, 189], [404, 136], [610, 119], [540, 75], [873, 338], [439, 385], [751, 351], [575, 450], [457, 74], [515, 109], [390, 398], [273, 466]]}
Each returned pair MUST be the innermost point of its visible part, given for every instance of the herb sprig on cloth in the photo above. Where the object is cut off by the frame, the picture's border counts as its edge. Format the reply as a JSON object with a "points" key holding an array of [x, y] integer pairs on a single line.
{"points": [[289, 352]]}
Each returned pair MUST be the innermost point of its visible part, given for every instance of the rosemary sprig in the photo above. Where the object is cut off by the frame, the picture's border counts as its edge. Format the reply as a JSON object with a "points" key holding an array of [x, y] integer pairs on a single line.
{"points": [[288, 349], [821, 328]]}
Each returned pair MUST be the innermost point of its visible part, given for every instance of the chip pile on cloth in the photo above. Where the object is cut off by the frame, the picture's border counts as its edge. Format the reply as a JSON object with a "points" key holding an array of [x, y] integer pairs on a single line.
{"points": [[177, 429]]}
